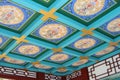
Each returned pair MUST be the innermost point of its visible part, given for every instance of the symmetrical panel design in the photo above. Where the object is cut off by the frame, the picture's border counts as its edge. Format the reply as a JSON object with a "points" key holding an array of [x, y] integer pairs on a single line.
{"points": [[73, 75], [17, 72], [13, 16], [3, 41], [104, 68], [88, 9], [112, 27], [80, 62], [49, 77], [53, 31], [58, 36], [28, 49], [105, 51], [85, 43], [13, 61], [41, 66], [59, 57]]}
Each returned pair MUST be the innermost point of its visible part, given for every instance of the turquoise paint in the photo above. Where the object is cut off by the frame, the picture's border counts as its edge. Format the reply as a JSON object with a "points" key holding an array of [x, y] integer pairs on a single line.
{"points": [[38, 70], [70, 40], [69, 21], [10, 47], [93, 59], [45, 55], [71, 52], [11, 65], [106, 18], [117, 39], [29, 65], [26, 59], [34, 25], [55, 4], [41, 43], [31, 5], [50, 64], [63, 74], [71, 62], [97, 49], [110, 54], [8, 33], [102, 36]]}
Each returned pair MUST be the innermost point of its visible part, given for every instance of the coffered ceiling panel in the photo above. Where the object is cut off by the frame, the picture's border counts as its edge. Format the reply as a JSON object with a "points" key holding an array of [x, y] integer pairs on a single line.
{"points": [[58, 36]]}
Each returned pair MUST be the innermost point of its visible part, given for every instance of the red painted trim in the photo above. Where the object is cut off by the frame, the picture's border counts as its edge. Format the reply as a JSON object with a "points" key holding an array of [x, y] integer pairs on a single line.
{"points": [[64, 78], [84, 75], [41, 76]]}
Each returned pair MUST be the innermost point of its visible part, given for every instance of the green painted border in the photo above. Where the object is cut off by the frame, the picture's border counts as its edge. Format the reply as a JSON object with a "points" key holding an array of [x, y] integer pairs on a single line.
{"points": [[44, 3], [105, 54], [85, 51], [107, 34], [36, 37], [59, 63], [2, 48], [28, 56], [92, 21], [25, 25]]}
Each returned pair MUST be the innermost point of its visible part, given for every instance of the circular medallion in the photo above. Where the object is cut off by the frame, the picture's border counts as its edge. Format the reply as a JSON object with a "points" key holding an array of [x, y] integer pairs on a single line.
{"points": [[10, 60], [29, 49], [88, 7], [84, 43], [114, 26], [59, 57], [105, 51], [62, 70], [42, 66], [53, 31], [10, 15], [80, 62], [1, 40]]}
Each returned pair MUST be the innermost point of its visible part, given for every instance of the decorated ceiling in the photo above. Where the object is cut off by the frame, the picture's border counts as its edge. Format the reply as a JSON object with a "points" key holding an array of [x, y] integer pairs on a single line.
{"points": [[58, 36]]}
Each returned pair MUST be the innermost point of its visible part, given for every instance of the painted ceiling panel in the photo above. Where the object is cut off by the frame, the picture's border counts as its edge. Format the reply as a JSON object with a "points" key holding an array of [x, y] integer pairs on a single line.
{"points": [[88, 10], [58, 36]]}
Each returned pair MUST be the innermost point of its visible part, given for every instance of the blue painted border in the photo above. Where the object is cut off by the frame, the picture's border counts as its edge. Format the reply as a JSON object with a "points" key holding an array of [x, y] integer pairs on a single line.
{"points": [[27, 14], [16, 50], [87, 18]]}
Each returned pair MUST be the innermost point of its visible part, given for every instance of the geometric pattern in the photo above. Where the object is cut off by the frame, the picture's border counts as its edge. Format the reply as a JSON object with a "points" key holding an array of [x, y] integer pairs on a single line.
{"points": [[59, 57], [42, 66], [9, 17], [17, 72], [112, 27], [13, 61], [80, 62], [49, 77], [28, 50], [105, 51], [3, 40], [105, 68], [39, 35], [87, 42], [73, 75], [53, 31], [88, 10]]}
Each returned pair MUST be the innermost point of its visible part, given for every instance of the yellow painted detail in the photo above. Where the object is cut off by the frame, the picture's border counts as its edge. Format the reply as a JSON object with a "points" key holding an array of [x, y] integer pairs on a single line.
{"points": [[49, 14], [21, 39], [87, 32]]}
